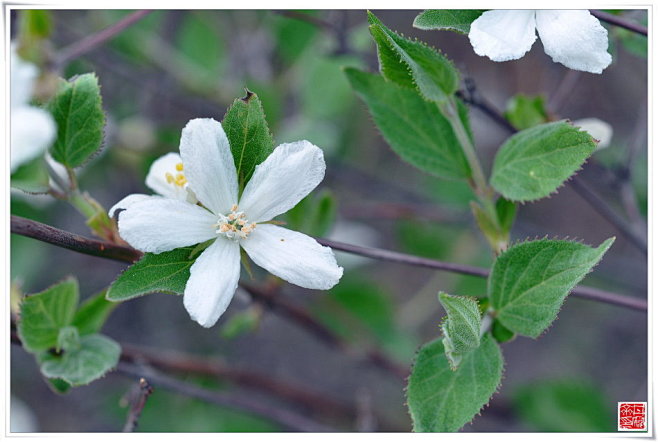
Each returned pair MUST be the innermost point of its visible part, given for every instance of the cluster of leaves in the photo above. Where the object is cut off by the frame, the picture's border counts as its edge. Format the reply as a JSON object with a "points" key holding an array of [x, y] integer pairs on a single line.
{"points": [[65, 338], [413, 104]]}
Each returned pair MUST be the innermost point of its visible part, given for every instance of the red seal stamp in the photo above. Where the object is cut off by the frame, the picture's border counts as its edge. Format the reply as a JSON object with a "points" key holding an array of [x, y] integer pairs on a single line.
{"points": [[631, 416]]}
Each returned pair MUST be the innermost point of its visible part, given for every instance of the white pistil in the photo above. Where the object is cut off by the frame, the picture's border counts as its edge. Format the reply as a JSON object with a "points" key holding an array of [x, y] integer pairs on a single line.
{"points": [[234, 225]]}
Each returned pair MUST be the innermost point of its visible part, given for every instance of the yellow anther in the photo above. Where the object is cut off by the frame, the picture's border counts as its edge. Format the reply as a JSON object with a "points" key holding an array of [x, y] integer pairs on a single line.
{"points": [[234, 208], [231, 216], [242, 222], [179, 167], [169, 177], [180, 179], [224, 228]]}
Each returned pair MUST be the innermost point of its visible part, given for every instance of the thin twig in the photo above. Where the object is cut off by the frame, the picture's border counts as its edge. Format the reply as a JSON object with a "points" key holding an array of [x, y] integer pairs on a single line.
{"points": [[601, 206], [388, 255], [619, 21], [71, 241], [289, 420], [143, 391], [91, 42], [296, 15], [112, 251]]}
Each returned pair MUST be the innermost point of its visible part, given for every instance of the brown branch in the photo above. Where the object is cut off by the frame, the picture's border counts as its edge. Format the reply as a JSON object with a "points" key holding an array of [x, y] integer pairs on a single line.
{"points": [[186, 363], [134, 356], [91, 42], [112, 251], [620, 22], [141, 394], [289, 420], [71, 241], [403, 258]]}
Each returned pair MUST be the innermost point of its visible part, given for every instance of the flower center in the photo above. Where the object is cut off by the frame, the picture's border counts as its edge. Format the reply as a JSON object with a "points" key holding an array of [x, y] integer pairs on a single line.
{"points": [[177, 179], [234, 225]]}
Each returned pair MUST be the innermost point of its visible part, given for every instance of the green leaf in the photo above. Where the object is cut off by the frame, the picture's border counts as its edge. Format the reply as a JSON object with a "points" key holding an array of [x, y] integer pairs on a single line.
{"points": [[458, 20], [68, 339], [45, 313], [93, 313], [96, 356], [433, 74], [248, 134], [525, 112], [165, 272], [80, 120], [529, 281], [506, 211], [500, 333], [31, 177], [461, 329], [414, 128], [58, 385], [442, 400], [564, 406], [535, 162]]}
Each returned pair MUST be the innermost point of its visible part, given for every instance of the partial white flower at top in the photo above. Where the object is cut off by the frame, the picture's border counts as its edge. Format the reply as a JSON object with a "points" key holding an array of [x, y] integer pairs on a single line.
{"points": [[598, 129], [574, 38], [157, 224], [32, 129]]}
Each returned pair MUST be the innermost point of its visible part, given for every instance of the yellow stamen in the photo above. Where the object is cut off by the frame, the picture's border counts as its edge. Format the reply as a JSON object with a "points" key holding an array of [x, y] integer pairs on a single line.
{"points": [[180, 179], [234, 208], [179, 167], [169, 177]]}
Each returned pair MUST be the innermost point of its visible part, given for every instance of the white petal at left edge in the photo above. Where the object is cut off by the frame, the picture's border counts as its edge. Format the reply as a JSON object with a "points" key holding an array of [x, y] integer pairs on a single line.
{"points": [[32, 131], [293, 256], [159, 224], [213, 280], [503, 35]]}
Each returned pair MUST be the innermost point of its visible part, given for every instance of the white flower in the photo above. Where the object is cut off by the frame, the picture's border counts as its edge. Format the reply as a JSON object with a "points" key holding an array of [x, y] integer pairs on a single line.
{"points": [[574, 38], [598, 129], [157, 224], [32, 129], [166, 177]]}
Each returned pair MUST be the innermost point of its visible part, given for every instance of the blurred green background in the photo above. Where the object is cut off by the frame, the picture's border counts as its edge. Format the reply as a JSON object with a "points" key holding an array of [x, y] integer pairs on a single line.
{"points": [[173, 66]]}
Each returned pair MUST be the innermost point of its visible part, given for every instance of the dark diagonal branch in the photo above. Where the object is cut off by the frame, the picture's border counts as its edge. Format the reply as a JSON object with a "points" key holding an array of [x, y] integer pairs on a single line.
{"points": [[599, 204], [305, 320], [91, 42], [108, 250], [289, 420], [171, 361], [619, 21]]}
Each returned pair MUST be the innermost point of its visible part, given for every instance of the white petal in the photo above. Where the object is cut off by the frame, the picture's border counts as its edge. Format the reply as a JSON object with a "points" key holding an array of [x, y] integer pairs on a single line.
{"points": [[159, 224], [293, 256], [209, 165], [23, 75], [213, 279], [290, 173], [574, 38], [503, 35], [127, 202], [157, 178], [598, 129], [32, 132]]}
